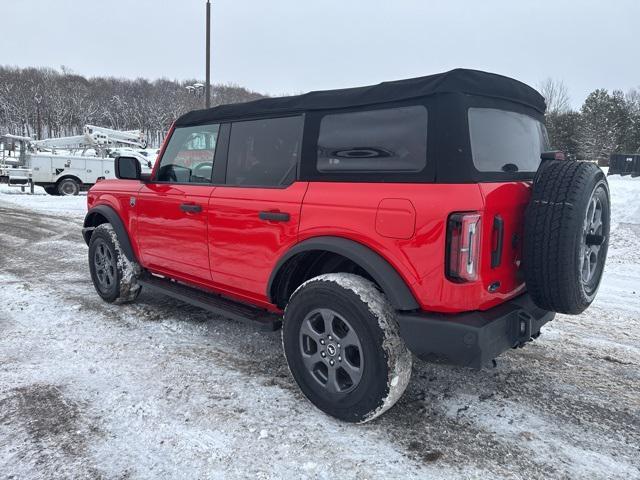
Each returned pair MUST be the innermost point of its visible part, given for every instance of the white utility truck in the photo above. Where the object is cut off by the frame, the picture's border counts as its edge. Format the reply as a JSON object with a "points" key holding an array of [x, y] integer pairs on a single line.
{"points": [[68, 174], [55, 164]]}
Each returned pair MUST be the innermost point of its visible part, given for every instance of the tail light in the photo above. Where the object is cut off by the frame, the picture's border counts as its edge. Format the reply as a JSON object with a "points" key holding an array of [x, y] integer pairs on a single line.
{"points": [[463, 246]]}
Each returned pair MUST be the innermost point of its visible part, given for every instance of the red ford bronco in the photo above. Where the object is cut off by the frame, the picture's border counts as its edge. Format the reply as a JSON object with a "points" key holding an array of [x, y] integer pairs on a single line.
{"points": [[423, 216]]}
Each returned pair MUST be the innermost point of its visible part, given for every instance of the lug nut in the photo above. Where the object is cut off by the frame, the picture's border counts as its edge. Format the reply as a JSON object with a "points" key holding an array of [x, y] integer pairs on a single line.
{"points": [[339, 359], [321, 341], [330, 337], [322, 354], [338, 345], [331, 362]]}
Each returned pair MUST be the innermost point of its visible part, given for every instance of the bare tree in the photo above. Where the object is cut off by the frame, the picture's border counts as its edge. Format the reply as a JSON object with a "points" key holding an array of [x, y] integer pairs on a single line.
{"points": [[556, 95], [48, 102]]}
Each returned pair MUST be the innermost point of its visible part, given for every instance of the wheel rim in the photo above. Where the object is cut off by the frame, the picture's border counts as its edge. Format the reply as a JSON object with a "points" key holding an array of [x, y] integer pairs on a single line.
{"points": [[594, 239], [68, 188], [105, 265], [331, 351]]}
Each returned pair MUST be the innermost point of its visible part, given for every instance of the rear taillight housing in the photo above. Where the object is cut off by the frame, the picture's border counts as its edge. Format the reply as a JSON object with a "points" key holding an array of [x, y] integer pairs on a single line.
{"points": [[463, 246]]}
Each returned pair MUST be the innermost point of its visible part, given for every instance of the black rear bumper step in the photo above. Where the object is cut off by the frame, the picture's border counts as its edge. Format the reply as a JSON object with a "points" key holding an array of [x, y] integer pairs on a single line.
{"points": [[473, 339], [263, 319]]}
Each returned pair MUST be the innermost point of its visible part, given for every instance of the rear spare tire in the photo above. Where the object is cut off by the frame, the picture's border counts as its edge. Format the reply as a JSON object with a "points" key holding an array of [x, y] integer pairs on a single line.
{"points": [[566, 235]]}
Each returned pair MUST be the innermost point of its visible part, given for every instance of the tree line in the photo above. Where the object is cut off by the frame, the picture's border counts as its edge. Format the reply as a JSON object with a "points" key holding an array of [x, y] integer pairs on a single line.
{"points": [[45, 103], [606, 123]]}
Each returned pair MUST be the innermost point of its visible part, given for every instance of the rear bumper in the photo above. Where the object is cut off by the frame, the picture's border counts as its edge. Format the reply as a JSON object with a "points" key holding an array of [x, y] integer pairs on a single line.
{"points": [[473, 339]]}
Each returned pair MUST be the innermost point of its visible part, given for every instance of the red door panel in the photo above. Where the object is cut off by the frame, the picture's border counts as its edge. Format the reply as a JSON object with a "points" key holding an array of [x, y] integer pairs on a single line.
{"points": [[245, 247], [172, 229]]}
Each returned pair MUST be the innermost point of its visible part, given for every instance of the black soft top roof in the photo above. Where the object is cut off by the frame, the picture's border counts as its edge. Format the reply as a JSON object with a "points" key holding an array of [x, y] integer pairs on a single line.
{"points": [[471, 82]]}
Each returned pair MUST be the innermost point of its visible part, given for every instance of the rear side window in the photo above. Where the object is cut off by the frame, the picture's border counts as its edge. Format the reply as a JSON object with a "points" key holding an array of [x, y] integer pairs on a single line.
{"points": [[504, 141], [189, 155], [264, 152], [384, 140]]}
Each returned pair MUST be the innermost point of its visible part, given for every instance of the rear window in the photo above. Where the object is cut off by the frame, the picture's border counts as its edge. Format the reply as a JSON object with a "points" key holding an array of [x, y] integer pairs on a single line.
{"points": [[504, 141], [384, 140]]}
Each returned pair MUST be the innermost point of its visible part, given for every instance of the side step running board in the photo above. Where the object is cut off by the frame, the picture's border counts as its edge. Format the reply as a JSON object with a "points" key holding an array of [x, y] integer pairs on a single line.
{"points": [[263, 319]]}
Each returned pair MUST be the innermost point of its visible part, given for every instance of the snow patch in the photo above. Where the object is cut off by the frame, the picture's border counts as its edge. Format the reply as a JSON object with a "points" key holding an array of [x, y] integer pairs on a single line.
{"points": [[42, 202], [625, 199]]}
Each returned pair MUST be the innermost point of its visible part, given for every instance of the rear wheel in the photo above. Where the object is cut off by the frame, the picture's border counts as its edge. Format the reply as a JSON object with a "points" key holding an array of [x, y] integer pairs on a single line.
{"points": [[566, 235], [114, 276], [342, 344], [68, 187]]}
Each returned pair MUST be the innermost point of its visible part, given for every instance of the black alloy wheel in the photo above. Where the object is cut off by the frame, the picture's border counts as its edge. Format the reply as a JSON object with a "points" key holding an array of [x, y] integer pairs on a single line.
{"points": [[596, 223], [104, 264], [331, 350]]}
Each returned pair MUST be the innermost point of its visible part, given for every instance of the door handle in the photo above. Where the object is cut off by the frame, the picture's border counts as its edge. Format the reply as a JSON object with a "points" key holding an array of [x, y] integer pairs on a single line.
{"points": [[190, 208], [274, 216]]}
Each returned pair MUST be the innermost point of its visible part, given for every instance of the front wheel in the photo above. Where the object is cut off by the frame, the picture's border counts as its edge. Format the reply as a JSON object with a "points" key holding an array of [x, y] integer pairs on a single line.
{"points": [[114, 276], [342, 344]]}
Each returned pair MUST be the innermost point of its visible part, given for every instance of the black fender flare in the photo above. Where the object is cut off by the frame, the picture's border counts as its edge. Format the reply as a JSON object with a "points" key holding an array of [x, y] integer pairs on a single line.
{"points": [[116, 222], [386, 276]]}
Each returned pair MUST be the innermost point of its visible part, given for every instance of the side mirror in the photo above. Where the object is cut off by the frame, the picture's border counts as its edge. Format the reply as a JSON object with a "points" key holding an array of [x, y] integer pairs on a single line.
{"points": [[127, 168], [553, 155]]}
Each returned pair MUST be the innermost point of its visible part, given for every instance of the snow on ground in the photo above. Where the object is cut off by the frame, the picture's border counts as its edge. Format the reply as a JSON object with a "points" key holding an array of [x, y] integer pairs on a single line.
{"points": [[158, 389], [41, 202]]}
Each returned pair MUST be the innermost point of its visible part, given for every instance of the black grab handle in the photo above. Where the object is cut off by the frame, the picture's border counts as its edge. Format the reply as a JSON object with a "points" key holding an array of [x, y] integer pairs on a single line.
{"points": [[498, 229], [274, 216]]}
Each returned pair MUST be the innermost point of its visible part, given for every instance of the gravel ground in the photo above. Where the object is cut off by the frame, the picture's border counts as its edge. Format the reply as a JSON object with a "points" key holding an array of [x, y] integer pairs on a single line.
{"points": [[158, 389]]}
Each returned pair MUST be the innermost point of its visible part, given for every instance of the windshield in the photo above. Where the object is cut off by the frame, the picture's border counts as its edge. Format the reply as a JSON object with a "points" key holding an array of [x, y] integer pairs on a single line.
{"points": [[504, 141]]}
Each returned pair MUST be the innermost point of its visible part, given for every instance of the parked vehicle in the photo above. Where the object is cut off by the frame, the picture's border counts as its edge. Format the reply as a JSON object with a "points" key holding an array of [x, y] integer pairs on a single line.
{"points": [[13, 170], [68, 174], [71, 174], [422, 216], [624, 164]]}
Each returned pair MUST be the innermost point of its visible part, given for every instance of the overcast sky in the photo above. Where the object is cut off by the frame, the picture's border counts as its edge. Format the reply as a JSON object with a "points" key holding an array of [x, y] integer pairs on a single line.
{"points": [[293, 46]]}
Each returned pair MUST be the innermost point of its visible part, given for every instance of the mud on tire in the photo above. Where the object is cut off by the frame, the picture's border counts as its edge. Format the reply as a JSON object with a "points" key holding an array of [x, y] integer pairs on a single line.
{"points": [[342, 344], [114, 276], [566, 235]]}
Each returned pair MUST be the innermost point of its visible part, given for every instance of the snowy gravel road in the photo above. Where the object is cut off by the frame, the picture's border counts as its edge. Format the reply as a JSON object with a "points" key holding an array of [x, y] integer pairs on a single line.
{"points": [[162, 390]]}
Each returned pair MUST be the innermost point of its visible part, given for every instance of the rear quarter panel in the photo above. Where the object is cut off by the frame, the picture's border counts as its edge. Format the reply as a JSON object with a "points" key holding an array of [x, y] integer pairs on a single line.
{"points": [[349, 210]]}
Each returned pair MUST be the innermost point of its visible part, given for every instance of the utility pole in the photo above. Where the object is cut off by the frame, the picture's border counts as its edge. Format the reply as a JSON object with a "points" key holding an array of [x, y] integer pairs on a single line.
{"points": [[38, 99], [207, 85]]}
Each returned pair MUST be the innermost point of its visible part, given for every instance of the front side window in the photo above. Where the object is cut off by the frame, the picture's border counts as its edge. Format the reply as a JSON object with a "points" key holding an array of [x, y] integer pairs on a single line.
{"points": [[505, 141], [264, 152], [384, 140], [189, 155]]}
